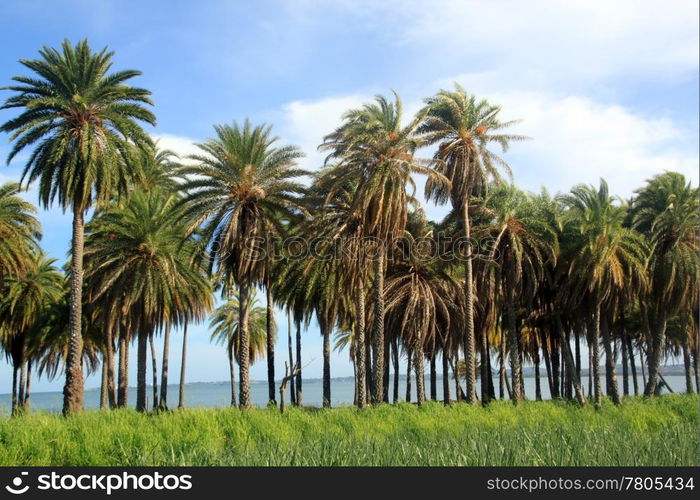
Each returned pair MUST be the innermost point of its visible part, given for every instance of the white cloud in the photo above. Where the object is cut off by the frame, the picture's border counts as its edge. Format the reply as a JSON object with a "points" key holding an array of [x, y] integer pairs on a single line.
{"points": [[305, 123], [545, 40], [574, 139], [182, 146]]}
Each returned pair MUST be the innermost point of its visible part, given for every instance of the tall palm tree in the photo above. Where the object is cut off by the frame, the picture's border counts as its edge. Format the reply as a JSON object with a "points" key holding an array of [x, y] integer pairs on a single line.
{"points": [[226, 331], [666, 212], [465, 130], [139, 258], [19, 231], [80, 120], [604, 257], [376, 150], [241, 186], [523, 243]]}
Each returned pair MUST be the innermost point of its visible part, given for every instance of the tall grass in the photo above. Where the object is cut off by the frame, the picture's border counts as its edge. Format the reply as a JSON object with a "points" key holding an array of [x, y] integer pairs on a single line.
{"points": [[655, 431]]}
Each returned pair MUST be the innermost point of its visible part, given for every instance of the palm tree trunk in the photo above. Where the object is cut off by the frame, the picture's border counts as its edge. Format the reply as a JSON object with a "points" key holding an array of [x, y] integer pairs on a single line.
{"points": [[420, 373], [502, 368], [181, 398], [103, 384], [244, 346], [360, 352], [141, 371], [590, 373], [354, 376], [521, 360], [326, 367], [571, 367], [270, 344], [547, 363], [515, 372], [556, 369], [163, 402], [445, 377], [458, 386], [625, 367], [409, 365], [232, 372], [73, 390], [538, 388], [642, 364], [378, 331], [386, 355], [657, 353], [154, 372], [433, 377], [299, 401], [687, 365], [292, 388], [577, 344], [395, 357], [109, 347], [696, 355], [469, 340], [369, 375], [22, 383], [122, 394], [595, 355], [633, 369], [14, 390], [28, 390], [611, 376], [485, 374]]}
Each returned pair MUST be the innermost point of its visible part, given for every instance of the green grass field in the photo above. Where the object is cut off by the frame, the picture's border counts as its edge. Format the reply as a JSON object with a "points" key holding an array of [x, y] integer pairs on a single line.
{"points": [[657, 431]]}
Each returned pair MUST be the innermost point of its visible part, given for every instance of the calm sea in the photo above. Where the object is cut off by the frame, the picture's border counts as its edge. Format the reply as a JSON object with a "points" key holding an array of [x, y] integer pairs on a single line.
{"points": [[211, 395]]}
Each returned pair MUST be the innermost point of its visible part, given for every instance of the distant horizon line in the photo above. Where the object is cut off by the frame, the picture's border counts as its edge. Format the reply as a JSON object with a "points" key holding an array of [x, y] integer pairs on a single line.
{"points": [[528, 372]]}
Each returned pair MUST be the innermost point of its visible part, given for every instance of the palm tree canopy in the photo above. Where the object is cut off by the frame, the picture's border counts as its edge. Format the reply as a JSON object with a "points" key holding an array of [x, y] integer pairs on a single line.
{"points": [[376, 151], [523, 241], [24, 299], [465, 128], [19, 230], [667, 210], [137, 256], [80, 119], [242, 189], [604, 255]]}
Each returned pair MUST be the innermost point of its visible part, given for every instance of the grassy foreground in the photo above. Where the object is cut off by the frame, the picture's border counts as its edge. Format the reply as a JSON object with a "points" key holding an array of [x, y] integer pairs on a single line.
{"points": [[657, 431]]}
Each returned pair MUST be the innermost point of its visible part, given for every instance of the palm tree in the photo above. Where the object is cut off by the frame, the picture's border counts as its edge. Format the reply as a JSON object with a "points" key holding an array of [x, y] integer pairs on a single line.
{"points": [[465, 129], [139, 258], [604, 257], [19, 231], [80, 120], [421, 299], [523, 243], [666, 212], [226, 331], [241, 187], [376, 151], [24, 301]]}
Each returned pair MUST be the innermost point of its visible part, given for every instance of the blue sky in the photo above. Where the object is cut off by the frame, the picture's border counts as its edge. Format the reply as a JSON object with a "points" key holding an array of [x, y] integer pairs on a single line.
{"points": [[603, 88]]}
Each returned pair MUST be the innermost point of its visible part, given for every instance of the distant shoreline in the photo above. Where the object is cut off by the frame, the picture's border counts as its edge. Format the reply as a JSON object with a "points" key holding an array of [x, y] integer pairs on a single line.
{"points": [[528, 372]]}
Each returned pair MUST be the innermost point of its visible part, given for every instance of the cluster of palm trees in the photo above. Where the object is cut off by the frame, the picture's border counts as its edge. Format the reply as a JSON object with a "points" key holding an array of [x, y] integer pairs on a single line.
{"points": [[507, 278]]}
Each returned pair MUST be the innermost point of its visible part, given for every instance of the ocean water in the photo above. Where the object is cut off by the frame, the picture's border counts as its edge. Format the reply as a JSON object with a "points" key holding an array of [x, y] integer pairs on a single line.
{"points": [[212, 395]]}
